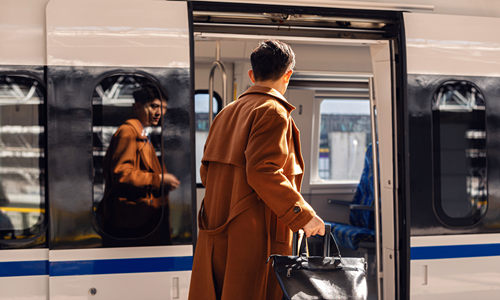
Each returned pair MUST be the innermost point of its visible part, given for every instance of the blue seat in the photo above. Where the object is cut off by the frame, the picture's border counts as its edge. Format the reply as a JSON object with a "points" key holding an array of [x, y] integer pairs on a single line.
{"points": [[361, 227]]}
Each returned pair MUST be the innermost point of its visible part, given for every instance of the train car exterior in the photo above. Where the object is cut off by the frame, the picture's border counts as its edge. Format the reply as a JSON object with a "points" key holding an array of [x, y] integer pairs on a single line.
{"points": [[83, 71], [452, 156], [68, 70]]}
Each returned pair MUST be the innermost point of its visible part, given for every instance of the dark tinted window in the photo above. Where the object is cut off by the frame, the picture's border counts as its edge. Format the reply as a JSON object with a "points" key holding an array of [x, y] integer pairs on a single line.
{"points": [[22, 157], [459, 139], [130, 192]]}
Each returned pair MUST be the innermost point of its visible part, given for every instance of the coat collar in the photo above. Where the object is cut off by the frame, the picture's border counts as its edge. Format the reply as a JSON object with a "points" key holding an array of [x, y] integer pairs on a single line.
{"points": [[271, 92], [137, 125], [146, 150]]}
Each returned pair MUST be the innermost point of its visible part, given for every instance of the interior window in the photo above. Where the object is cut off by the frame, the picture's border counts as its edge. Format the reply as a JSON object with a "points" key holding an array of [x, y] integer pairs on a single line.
{"points": [[201, 118], [460, 163], [131, 181], [344, 137], [22, 157]]}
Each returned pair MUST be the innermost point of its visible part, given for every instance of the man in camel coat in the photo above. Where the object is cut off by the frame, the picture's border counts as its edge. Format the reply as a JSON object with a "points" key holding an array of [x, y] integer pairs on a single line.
{"points": [[252, 170], [131, 208]]}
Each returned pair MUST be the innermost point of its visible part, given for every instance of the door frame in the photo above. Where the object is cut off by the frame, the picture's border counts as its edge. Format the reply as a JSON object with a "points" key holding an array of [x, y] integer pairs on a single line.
{"points": [[396, 35]]}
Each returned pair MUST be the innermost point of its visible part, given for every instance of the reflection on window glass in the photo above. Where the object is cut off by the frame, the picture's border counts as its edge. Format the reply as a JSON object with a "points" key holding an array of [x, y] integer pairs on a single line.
{"points": [[344, 137], [201, 110], [22, 161], [459, 138], [131, 184]]}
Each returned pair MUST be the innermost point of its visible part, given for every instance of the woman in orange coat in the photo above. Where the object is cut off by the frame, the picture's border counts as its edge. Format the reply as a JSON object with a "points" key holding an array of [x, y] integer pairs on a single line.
{"points": [[132, 206], [252, 170]]}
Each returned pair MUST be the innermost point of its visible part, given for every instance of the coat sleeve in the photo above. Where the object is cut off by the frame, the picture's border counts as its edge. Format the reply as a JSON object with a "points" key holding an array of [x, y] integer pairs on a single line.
{"points": [[124, 162], [266, 154]]}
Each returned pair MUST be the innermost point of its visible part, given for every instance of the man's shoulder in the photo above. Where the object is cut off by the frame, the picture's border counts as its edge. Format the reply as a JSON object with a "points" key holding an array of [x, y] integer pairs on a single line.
{"points": [[264, 105], [127, 129]]}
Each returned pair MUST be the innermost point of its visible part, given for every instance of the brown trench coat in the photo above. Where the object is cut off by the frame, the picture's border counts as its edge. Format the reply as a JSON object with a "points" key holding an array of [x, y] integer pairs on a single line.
{"points": [[252, 169], [132, 203]]}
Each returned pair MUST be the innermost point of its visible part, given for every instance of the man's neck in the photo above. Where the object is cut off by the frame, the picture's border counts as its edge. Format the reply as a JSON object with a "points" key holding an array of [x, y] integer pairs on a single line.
{"points": [[272, 84]]}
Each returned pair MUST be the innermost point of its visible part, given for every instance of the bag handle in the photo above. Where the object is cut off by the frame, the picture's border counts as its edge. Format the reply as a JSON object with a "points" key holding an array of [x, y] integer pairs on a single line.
{"points": [[301, 235], [327, 239]]}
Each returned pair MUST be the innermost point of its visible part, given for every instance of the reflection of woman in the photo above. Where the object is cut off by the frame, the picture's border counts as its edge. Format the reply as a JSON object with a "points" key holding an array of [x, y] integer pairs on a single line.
{"points": [[132, 204]]}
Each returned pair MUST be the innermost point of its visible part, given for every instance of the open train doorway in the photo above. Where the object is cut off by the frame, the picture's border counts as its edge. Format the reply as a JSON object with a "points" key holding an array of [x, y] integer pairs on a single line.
{"points": [[343, 89]]}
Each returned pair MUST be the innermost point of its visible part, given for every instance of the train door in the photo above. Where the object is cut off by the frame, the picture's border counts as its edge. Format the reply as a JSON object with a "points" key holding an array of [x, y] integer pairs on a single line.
{"points": [[119, 127], [349, 114], [452, 160], [384, 131], [343, 88], [23, 168]]}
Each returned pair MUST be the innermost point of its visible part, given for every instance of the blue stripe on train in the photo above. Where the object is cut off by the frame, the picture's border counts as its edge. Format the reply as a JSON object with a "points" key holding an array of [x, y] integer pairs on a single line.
{"points": [[114, 266], [94, 267], [454, 251], [24, 268]]}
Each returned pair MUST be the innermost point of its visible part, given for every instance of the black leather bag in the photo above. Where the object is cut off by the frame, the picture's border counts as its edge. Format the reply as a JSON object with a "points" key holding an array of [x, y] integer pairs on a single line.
{"points": [[321, 277]]}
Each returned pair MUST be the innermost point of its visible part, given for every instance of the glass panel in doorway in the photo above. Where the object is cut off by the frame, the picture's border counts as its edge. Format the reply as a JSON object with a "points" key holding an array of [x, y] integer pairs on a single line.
{"points": [[22, 157], [344, 138], [201, 109]]}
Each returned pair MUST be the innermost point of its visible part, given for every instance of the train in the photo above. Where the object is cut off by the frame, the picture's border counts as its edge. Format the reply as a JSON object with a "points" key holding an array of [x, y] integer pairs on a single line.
{"points": [[417, 79]]}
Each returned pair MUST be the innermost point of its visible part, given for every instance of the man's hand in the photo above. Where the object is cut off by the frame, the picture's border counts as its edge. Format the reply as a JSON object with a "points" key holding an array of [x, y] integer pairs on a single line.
{"points": [[171, 181], [315, 226]]}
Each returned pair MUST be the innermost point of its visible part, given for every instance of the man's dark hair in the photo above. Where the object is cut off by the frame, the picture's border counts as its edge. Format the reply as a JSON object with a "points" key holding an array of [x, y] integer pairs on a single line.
{"points": [[271, 59], [148, 93]]}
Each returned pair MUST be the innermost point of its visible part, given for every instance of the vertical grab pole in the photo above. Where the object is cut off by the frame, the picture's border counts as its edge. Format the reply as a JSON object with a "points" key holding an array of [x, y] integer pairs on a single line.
{"points": [[375, 185], [216, 64]]}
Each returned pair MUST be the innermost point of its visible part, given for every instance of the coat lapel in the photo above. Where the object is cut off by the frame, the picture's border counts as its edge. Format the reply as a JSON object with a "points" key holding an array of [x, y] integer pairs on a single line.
{"points": [[296, 142], [289, 107]]}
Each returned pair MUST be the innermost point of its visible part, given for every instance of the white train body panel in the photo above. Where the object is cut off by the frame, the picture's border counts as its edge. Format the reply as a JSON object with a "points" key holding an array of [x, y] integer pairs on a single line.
{"points": [[158, 272], [452, 45], [23, 38], [455, 267], [114, 33], [24, 274]]}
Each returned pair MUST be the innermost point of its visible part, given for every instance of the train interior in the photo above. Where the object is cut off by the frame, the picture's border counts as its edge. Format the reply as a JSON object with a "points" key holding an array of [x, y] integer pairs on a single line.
{"points": [[330, 89]]}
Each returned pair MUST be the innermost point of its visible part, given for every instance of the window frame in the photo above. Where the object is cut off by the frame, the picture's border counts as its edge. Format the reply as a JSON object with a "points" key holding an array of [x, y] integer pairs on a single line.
{"points": [[441, 215], [316, 184]]}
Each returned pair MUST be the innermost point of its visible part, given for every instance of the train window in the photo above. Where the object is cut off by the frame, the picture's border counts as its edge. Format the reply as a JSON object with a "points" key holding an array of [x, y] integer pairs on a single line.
{"points": [[131, 182], [201, 114], [344, 137], [459, 139], [22, 157]]}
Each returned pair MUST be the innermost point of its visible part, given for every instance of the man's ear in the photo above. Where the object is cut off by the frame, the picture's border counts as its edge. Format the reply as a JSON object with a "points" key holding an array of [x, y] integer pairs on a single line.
{"points": [[287, 76], [251, 75]]}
